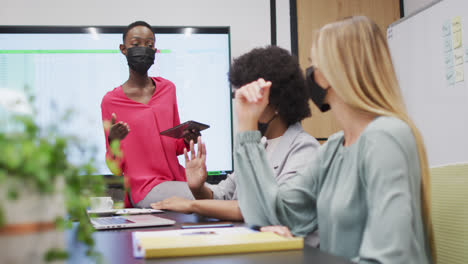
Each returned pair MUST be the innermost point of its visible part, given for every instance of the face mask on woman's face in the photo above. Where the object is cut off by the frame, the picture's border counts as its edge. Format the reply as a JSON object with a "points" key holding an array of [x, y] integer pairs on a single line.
{"points": [[262, 127], [140, 59], [317, 93]]}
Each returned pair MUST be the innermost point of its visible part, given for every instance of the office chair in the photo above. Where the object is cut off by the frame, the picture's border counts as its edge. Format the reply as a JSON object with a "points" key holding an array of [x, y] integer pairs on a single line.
{"points": [[450, 213]]}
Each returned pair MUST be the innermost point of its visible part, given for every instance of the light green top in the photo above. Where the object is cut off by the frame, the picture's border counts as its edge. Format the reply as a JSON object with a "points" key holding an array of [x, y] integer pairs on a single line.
{"points": [[365, 198]]}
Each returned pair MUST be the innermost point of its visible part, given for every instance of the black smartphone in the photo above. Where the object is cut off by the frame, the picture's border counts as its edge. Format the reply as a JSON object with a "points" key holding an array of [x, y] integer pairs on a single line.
{"points": [[178, 131]]}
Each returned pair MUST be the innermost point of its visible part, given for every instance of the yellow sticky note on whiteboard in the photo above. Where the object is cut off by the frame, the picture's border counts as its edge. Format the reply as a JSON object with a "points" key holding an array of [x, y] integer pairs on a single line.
{"points": [[459, 73], [456, 24], [457, 40], [458, 56]]}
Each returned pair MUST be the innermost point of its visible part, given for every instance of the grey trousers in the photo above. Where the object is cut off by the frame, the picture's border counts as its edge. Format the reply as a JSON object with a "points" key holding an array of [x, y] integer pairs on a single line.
{"points": [[163, 191]]}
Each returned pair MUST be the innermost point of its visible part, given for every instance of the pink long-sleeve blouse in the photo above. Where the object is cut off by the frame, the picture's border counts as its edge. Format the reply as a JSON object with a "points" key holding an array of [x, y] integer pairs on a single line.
{"points": [[148, 158]]}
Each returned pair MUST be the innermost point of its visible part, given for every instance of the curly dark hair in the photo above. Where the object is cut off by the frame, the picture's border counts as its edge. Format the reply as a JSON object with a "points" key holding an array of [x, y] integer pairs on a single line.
{"points": [[136, 24], [288, 93]]}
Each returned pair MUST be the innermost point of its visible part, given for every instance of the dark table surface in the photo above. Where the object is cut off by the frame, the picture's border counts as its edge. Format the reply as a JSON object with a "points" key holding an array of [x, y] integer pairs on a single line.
{"points": [[116, 247]]}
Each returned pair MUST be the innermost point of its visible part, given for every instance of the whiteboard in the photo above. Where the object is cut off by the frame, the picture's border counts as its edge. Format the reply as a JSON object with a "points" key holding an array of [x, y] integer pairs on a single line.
{"points": [[430, 54]]}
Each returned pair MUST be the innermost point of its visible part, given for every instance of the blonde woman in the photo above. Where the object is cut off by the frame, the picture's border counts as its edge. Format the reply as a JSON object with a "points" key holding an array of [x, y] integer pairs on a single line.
{"points": [[368, 188]]}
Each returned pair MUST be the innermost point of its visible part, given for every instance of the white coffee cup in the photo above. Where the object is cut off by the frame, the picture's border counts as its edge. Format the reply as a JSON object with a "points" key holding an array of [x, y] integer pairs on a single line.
{"points": [[101, 203]]}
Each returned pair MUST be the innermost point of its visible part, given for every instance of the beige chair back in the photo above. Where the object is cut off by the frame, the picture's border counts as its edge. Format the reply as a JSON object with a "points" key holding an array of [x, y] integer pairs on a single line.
{"points": [[450, 213]]}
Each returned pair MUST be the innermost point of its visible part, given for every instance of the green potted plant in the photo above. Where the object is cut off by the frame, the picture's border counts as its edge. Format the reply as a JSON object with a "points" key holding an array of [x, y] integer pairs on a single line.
{"points": [[41, 192]]}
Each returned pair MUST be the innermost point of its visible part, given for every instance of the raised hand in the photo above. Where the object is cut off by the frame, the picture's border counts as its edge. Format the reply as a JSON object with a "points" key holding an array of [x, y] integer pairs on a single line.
{"points": [[251, 100], [117, 130], [195, 166]]}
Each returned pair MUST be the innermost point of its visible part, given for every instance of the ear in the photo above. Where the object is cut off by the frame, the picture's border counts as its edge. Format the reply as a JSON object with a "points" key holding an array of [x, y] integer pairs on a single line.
{"points": [[321, 80], [123, 49]]}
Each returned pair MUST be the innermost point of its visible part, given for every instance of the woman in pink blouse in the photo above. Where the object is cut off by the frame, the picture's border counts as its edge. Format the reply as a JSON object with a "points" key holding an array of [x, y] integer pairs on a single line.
{"points": [[133, 115]]}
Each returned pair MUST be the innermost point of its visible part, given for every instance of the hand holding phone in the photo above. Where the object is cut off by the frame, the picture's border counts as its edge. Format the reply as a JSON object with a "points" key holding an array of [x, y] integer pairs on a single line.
{"points": [[185, 129]]}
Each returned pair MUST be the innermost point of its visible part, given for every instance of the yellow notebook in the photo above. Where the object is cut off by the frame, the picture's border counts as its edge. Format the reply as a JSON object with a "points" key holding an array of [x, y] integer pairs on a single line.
{"points": [[209, 241]]}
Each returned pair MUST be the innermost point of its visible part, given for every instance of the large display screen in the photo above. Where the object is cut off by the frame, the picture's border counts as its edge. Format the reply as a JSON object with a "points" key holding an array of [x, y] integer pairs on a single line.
{"points": [[71, 68]]}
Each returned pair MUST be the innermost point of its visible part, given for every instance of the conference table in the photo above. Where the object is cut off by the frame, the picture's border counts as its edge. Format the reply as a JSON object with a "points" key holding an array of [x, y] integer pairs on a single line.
{"points": [[115, 246]]}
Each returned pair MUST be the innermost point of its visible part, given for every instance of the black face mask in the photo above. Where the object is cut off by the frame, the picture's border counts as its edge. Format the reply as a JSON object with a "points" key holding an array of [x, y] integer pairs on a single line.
{"points": [[262, 127], [140, 59], [317, 93]]}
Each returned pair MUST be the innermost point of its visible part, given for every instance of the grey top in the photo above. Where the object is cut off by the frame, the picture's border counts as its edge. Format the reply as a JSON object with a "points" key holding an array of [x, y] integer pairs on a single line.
{"points": [[365, 198], [293, 152]]}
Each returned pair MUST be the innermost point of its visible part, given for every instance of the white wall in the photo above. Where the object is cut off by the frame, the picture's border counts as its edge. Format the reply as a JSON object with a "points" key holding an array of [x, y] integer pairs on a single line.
{"points": [[283, 24], [412, 6], [249, 19]]}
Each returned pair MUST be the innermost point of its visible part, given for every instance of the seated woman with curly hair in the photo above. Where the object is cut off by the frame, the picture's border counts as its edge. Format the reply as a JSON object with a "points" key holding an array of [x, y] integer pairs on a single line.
{"points": [[289, 148]]}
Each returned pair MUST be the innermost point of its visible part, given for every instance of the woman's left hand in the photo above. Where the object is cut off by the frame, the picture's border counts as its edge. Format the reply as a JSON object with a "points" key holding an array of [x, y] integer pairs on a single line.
{"points": [[280, 230], [251, 100], [191, 135], [177, 204]]}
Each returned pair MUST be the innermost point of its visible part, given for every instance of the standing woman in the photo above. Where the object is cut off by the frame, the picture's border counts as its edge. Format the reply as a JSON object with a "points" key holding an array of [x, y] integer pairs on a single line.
{"points": [[368, 188], [133, 115]]}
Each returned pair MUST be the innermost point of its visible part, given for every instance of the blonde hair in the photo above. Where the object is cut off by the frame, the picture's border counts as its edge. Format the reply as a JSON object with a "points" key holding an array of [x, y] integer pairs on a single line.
{"points": [[354, 57]]}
